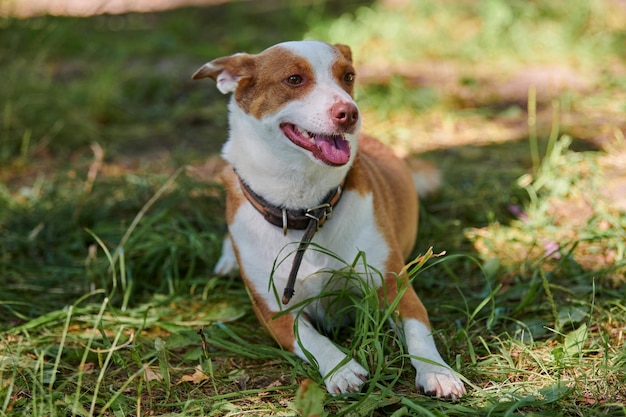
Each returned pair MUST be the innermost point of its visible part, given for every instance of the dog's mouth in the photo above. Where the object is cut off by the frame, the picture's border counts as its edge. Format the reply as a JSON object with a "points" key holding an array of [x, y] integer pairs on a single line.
{"points": [[331, 149]]}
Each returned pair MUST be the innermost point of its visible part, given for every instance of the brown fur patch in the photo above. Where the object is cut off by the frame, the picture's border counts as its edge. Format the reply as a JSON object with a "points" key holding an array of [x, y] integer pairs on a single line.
{"points": [[267, 88], [377, 169], [342, 67], [234, 196]]}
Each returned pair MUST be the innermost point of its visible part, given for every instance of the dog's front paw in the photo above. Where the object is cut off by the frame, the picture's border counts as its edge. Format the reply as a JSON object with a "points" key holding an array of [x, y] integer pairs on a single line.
{"points": [[346, 379], [440, 382]]}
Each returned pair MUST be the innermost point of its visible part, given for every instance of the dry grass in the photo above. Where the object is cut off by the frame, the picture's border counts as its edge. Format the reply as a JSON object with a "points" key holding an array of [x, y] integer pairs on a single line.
{"points": [[528, 301]]}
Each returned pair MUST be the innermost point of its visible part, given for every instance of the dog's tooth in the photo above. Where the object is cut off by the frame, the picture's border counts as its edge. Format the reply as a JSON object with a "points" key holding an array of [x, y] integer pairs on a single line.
{"points": [[304, 133]]}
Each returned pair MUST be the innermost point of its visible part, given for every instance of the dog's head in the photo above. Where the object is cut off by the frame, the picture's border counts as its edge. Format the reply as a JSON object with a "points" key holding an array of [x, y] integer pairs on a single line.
{"points": [[298, 92]]}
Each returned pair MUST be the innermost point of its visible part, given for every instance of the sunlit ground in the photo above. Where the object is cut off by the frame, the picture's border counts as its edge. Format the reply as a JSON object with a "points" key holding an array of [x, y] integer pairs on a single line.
{"points": [[108, 156]]}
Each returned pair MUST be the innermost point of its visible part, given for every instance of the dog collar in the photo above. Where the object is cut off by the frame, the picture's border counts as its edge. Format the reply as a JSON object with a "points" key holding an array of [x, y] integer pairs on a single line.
{"points": [[295, 219], [308, 219]]}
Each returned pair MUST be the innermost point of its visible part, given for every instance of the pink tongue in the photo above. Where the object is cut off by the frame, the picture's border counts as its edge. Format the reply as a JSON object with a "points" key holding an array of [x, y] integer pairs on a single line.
{"points": [[333, 150]]}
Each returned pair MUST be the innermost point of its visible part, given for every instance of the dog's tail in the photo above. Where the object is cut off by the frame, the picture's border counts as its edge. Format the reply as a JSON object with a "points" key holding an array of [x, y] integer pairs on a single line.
{"points": [[426, 176]]}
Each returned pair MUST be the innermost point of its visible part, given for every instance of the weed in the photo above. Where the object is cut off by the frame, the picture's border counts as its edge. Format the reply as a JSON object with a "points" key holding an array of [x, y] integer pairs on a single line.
{"points": [[106, 245]]}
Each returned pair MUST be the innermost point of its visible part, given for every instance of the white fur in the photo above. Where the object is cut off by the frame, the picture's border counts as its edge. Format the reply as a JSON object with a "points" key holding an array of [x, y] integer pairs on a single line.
{"points": [[285, 174], [227, 264], [261, 154], [340, 373], [426, 185], [437, 379], [261, 245], [261, 159]]}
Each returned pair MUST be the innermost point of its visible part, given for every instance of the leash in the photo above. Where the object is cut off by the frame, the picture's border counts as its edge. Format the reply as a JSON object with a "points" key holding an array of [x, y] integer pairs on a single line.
{"points": [[310, 220], [317, 215]]}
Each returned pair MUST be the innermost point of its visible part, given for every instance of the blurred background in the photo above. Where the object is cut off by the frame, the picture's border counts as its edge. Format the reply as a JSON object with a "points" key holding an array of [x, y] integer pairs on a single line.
{"points": [[98, 108], [109, 156]]}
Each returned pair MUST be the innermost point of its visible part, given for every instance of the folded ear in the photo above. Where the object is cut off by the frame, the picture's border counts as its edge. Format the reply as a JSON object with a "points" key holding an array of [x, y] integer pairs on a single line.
{"points": [[345, 51], [227, 71]]}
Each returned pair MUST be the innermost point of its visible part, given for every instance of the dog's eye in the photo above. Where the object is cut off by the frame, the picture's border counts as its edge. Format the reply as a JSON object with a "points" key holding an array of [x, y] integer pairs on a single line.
{"points": [[294, 79], [349, 77]]}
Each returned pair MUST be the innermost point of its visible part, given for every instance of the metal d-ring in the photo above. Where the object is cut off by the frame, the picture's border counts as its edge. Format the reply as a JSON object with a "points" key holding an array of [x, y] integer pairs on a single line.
{"points": [[325, 213]]}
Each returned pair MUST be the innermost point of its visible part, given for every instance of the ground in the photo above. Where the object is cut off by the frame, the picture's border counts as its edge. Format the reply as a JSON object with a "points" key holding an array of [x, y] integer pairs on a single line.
{"points": [[110, 217]]}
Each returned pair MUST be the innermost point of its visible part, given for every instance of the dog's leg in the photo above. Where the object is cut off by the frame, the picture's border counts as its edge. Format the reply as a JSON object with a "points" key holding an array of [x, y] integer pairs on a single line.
{"points": [[339, 378], [227, 263], [434, 376], [300, 336]]}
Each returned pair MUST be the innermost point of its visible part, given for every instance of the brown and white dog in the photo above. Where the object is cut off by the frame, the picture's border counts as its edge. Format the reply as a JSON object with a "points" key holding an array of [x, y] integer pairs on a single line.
{"points": [[295, 153]]}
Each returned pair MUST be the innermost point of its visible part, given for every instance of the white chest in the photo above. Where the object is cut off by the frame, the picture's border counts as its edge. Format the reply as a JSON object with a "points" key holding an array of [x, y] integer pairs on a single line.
{"points": [[266, 255]]}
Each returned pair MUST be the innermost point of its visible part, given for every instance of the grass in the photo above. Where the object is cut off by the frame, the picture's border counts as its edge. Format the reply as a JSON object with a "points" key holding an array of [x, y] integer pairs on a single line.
{"points": [[110, 220]]}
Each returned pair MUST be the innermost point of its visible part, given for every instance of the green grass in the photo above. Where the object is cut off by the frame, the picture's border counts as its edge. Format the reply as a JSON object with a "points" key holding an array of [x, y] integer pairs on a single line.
{"points": [[111, 221]]}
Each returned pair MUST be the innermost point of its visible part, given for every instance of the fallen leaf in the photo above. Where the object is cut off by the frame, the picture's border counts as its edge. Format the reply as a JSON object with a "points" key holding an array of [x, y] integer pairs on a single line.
{"points": [[309, 399], [151, 375], [197, 377]]}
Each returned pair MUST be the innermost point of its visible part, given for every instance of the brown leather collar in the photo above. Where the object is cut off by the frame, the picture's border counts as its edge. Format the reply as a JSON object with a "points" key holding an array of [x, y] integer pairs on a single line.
{"points": [[308, 219], [296, 219]]}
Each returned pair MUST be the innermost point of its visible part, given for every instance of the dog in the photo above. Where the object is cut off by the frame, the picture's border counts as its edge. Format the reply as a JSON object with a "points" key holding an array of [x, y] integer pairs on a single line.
{"points": [[296, 161]]}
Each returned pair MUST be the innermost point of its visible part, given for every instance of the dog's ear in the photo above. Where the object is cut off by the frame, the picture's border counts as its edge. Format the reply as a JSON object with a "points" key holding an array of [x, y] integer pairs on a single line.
{"points": [[345, 51], [227, 71]]}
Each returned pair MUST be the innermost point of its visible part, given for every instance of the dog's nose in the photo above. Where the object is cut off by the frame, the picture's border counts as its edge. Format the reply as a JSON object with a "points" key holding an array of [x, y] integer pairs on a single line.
{"points": [[344, 114]]}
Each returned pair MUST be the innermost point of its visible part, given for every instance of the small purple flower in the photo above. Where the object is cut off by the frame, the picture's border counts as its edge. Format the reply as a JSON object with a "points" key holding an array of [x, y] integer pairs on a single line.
{"points": [[517, 211], [551, 249]]}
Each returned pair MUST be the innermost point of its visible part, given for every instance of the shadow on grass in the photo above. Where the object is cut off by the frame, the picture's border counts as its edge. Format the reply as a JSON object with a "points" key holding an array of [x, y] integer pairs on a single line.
{"points": [[123, 81]]}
